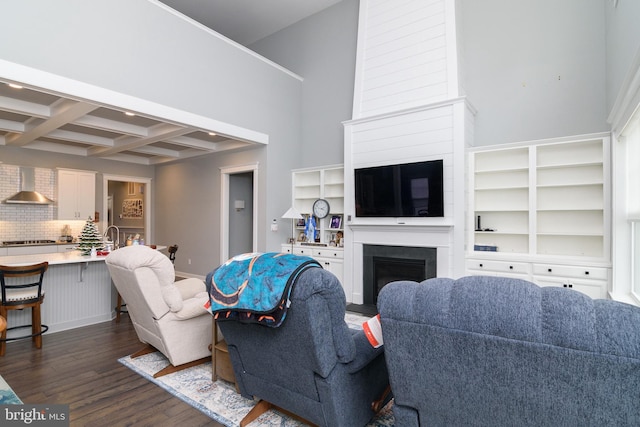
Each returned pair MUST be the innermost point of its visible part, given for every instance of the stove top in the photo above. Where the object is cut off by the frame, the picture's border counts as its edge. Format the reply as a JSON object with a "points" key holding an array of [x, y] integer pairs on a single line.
{"points": [[26, 242]]}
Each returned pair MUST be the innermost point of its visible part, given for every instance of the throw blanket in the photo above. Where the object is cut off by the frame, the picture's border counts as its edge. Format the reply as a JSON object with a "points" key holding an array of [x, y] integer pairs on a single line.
{"points": [[255, 287]]}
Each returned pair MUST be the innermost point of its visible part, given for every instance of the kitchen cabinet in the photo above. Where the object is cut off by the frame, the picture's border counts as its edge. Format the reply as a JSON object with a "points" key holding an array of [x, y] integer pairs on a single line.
{"points": [[76, 194], [32, 250]]}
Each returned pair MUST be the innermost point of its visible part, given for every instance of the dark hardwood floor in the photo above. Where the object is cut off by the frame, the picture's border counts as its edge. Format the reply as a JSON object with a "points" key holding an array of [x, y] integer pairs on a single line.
{"points": [[80, 368]]}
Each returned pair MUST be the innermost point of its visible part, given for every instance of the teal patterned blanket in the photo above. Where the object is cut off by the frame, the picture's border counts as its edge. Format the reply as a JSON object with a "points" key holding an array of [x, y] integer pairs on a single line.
{"points": [[255, 287]]}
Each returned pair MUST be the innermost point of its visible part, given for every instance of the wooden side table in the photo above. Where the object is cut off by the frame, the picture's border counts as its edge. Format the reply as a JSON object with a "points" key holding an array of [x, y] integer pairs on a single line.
{"points": [[3, 324], [220, 360]]}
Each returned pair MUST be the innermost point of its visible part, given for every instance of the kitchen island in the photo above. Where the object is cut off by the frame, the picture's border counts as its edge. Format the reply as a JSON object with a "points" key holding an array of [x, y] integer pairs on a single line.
{"points": [[78, 290]]}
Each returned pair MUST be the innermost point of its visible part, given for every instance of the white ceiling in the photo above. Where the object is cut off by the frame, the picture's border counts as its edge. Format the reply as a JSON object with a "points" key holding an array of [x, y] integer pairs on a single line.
{"points": [[54, 122]]}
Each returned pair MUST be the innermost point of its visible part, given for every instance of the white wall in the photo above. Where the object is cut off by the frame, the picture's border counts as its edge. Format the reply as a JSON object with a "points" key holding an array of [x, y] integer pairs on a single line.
{"points": [[322, 49], [142, 49], [534, 69]]}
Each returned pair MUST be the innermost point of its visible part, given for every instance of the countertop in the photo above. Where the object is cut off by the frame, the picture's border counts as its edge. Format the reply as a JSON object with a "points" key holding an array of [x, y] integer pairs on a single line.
{"points": [[70, 257], [57, 243]]}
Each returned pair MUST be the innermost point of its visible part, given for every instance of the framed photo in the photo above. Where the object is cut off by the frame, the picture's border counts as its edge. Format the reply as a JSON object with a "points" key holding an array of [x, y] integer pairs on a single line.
{"points": [[132, 209], [302, 237], [336, 221], [300, 222]]}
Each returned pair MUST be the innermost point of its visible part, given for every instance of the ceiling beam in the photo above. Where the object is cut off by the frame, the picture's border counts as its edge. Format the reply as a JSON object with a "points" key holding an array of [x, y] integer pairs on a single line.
{"points": [[157, 133], [66, 112], [25, 108], [82, 138], [186, 141], [11, 126], [111, 125]]}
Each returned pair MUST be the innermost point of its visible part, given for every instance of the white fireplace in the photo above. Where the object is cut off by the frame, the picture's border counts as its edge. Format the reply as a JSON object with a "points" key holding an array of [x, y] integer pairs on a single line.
{"points": [[438, 237], [407, 108]]}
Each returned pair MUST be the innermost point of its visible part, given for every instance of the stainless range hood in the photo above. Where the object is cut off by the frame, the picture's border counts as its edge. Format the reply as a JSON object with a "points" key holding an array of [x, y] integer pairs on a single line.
{"points": [[28, 193]]}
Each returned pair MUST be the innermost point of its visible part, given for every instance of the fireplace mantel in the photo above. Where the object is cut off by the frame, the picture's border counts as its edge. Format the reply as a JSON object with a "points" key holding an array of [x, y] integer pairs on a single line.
{"points": [[400, 227]]}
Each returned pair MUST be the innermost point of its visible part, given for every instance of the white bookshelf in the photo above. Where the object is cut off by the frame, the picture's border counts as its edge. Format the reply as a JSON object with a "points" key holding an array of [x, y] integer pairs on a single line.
{"points": [[570, 199], [546, 204], [501, 199], [320, 183]]}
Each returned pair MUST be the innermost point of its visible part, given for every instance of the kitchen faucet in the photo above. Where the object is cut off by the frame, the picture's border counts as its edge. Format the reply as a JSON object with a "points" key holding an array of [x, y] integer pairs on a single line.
{"points": [[116, 243]]}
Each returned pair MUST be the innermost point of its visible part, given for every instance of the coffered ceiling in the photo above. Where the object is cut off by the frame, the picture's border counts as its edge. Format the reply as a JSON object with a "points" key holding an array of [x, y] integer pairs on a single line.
{"points": [[43, 121]]}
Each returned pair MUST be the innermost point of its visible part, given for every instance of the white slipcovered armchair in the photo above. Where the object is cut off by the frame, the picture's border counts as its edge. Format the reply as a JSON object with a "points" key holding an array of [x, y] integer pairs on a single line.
{"points": [[168, 316]]}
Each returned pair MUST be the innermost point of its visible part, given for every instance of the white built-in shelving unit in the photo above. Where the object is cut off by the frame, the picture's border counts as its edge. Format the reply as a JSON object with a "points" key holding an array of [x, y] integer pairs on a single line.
{"points": [[541, 212], [326, 183], [310, 185]]}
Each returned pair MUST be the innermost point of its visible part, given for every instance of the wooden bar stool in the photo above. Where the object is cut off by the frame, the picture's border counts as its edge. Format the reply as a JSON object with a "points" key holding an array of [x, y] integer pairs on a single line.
{"points": [[172, 253], [19, 293], [120, 307]]}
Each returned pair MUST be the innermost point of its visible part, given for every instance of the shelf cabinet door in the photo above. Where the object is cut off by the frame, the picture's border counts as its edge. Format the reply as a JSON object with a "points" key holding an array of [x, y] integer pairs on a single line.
{"points": [[595, 289]]}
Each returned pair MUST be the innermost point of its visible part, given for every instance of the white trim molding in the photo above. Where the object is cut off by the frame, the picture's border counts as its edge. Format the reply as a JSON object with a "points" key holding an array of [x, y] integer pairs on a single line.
{"points": [[225, 172], [628, 100]]}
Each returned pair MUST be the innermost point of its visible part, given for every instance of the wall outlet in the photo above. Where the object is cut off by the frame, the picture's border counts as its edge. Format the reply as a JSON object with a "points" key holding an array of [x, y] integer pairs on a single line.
{"points": [[189, 261]]}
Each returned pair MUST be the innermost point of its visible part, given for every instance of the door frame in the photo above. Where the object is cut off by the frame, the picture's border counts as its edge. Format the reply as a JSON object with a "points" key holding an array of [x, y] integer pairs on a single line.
{"points": [[147, 201], [225, 173]]}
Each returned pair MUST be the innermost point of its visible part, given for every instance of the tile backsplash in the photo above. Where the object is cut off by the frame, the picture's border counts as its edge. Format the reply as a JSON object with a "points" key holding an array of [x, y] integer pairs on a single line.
{"points": [[30, 222]]}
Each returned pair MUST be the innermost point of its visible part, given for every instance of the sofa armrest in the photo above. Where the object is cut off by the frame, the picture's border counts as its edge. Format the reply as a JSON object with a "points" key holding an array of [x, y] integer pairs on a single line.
{"points": [[193, 307], [365, 353], [190, 287]]}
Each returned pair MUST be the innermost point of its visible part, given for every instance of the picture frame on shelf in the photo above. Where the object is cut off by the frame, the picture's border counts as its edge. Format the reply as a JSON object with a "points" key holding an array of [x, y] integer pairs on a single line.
{"points": [[301, 221], [336, 222]]}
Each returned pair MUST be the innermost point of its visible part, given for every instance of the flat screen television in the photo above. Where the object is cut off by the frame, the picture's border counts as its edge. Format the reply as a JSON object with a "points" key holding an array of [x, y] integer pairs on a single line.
{"points": [[402, 190]]}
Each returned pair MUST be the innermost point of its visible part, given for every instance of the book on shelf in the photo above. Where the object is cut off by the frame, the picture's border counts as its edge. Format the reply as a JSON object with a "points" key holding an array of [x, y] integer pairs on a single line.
{"points": [[485, 248]]}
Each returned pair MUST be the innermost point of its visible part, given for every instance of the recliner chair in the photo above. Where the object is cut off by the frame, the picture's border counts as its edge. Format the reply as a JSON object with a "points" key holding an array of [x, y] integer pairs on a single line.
{"points": [[168, 316], [312, 365], [497, 351]]}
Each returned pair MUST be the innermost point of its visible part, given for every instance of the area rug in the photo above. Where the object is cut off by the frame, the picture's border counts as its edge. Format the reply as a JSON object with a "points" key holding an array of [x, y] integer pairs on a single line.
{"points": [[7, 396], [219, 400]]}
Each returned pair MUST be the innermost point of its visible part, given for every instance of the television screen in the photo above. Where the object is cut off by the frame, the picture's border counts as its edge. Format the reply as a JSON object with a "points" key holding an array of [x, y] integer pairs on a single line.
{"points": [[404, 190]]}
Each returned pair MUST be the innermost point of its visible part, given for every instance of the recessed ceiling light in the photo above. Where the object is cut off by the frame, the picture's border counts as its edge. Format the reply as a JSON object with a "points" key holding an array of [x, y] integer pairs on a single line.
{"points": [[129, 113], [212, 133], [15, 86]]}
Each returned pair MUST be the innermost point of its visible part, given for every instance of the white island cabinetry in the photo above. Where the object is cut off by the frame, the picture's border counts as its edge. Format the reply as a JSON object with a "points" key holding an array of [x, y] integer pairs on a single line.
{"points": [[77, 289]]}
